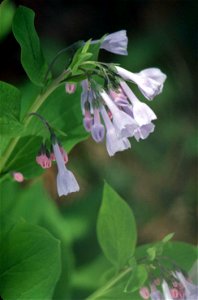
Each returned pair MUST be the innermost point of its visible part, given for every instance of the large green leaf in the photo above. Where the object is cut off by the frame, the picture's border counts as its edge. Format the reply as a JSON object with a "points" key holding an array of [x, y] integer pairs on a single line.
{"points": [[30, 263], [32, 57], [116, 228]]}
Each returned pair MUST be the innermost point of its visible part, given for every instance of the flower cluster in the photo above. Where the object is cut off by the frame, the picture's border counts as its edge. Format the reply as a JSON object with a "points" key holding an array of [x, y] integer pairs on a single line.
{"points": [[176, 286], [112, 111], [66, 182]]}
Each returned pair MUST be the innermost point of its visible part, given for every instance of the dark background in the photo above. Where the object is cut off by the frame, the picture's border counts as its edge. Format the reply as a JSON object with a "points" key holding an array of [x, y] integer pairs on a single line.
{"points": [[157, 176]]}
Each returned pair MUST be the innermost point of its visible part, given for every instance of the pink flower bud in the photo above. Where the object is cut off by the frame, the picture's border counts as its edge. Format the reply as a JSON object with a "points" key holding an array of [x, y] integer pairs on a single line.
{"points": [[175, 293], [17, 176], [44, 161], [144, 292], [70, 88]]}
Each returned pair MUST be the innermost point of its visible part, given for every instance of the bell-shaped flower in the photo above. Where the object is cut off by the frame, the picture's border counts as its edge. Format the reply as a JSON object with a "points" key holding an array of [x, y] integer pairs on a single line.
{"points": [[97, 129], [66, 182], [142, 113], [150, 82], [142, 132], [121, 120], [116, 42], [113, 142]]}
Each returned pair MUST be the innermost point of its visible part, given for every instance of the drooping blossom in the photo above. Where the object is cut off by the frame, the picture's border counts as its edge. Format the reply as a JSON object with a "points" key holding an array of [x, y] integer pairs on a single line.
{"points": [[150, 81], [66, 182], [18, 176]]}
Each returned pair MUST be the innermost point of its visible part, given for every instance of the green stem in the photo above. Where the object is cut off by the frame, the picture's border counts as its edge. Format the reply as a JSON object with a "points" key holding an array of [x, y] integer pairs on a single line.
{"points": [[34, 108], [100, 292]]}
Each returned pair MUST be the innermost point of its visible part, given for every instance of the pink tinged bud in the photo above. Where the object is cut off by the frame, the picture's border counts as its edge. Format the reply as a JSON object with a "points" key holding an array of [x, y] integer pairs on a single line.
{"points": [[116, 42], [17, 176], [175, 293], [144, 293], [44, 161], [70, 88], [66, 182]]}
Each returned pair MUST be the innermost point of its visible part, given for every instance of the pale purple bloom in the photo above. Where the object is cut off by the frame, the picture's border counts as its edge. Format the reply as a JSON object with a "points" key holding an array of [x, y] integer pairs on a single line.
{"points": [[97, 129], [116, 42], [142, 132], [166, 291], [70, 88], [150, 81], [121, 120], [113, 142], [66, 182], [142, 113], [191, 290]]}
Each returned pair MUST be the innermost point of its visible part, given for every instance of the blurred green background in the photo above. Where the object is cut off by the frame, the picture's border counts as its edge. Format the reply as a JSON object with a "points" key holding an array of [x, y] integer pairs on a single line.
{"points": [[157, 177]]}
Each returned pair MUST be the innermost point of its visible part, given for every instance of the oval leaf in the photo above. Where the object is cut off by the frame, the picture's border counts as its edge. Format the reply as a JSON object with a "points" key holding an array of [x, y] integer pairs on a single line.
{"points": [[32, 58], [116, 228], [30, 263]]}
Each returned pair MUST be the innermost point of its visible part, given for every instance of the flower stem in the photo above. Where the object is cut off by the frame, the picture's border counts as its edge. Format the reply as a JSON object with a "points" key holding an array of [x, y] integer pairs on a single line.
{"points": [[34, 108], [101, 291]]}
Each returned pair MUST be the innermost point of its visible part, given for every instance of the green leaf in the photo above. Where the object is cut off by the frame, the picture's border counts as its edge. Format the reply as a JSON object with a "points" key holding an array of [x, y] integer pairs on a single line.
{"points": [[10, 104], [32, 57], [10, 100], [30, 263], [137, 279], [151, 253], [7, 11], [116, 228]]}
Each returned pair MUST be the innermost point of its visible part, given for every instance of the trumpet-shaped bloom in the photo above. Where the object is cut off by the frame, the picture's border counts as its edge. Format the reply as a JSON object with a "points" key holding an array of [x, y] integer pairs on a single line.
{"points": [[142, 113], [166, 291], [66, 182], [98, 129], [121, 120], [149, 81], [116, 42], [113, 142]]}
